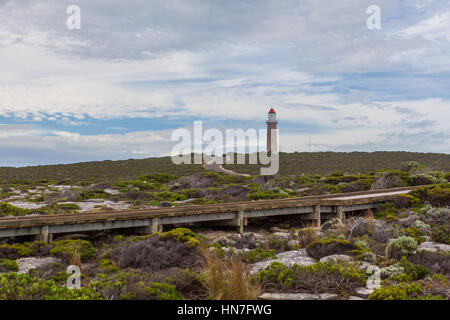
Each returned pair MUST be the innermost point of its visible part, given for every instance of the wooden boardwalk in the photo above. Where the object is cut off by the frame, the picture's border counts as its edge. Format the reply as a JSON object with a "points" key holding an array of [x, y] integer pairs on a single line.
{"points": [[315, 208]]}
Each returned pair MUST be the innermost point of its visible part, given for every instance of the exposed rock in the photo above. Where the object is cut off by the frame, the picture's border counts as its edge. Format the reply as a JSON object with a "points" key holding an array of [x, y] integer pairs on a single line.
{"points": [[27, 205], [282, 235], [26, 264], [277, 229], [248, 240], [364, 292], [335, 258], [355, 298], [434, 247], [297, 296], [288, 258]]}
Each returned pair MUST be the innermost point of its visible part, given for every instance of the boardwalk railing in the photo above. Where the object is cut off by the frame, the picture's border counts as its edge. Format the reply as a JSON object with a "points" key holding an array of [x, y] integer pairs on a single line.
{"points": [[316, 208]]}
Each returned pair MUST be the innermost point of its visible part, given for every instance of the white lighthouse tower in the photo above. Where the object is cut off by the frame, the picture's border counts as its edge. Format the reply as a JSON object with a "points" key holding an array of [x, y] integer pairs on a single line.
{"points": [[272, 132]]}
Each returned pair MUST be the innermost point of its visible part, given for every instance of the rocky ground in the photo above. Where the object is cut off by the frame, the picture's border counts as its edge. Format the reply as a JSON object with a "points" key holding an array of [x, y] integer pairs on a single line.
{"points": [[401, 251]]}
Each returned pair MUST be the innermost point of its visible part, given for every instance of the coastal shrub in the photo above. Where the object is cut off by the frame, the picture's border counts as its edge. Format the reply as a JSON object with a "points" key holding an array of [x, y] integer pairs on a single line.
{"points": [[402, 291], [69, 248], [405, 244], [436, 195], [156, 253], [326, 247], [163, 291], [405, 201], [319, 277], [7, 265], [14, 286], [441, 233], [437, 262], [184, 235], [258, 254], [23, 249], [9, 210]]}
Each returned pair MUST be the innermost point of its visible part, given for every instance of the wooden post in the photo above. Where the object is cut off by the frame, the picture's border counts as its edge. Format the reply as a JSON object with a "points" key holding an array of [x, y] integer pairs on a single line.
{"points": [[44, 234], [340, 212], [155, 225], [240, 222], [317, 215]]}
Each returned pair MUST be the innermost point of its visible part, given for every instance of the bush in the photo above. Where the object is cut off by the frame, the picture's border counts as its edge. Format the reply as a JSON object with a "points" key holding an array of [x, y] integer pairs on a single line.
{"points": [[405, 201], [69, 248], [164, 291], [7, 265], [327, 247], [23, 287], [258, 254], [437, 262], [402, 291], [436, 195], [441, 233], [319, 277], [407, 245], [25, 249], [413, 271], [156, 253], [9, 210], [184, 235]]}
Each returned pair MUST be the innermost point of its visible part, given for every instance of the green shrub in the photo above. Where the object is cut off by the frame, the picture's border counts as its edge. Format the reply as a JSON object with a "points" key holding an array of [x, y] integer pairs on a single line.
{"points": [[15, 286], [258, 254], [25, 249], [265, 195], [9, 210], [319, 277], [402, 291], [67, 248], [8, 265], [414, 271], [407, 245], [326, 247], [164, 291], [106, 266], [436, 195], [184, 235], [441, 233]]}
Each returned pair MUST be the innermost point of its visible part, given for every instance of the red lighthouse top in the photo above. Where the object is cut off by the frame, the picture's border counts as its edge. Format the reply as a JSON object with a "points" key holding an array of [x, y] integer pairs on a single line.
{"points": [[271, 111]]}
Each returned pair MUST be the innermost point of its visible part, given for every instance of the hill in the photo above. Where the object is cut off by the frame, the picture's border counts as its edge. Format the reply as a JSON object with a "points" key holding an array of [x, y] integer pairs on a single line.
{"points": [[290, 164]]}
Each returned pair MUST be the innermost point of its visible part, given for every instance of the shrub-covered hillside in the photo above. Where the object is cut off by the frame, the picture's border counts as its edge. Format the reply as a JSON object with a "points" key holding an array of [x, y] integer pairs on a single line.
{"points": [[290, 164]]}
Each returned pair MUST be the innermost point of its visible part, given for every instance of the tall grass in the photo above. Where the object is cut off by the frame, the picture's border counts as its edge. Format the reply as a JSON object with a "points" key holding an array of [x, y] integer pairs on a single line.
{"points": [[227, 279]]}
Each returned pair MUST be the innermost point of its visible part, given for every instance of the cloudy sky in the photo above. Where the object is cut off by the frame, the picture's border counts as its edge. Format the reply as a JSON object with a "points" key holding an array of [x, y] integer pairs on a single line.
{"points": [[137, 70]]}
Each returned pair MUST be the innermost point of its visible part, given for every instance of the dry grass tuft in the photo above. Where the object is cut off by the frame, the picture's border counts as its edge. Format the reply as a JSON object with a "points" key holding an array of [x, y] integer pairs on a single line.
{"points": [[228, 279], [75, 259]]}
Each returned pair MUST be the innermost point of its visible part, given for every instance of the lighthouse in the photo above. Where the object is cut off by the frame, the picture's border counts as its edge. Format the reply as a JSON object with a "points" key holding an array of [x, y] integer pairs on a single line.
{"points": [[272, 132]]}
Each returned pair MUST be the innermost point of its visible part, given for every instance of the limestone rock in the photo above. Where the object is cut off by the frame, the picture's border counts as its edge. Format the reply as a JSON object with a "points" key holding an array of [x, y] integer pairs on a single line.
{"points": [[336, 257], [363, 292], [434, 247], [26, 264], [297, 296], [288, 258]]}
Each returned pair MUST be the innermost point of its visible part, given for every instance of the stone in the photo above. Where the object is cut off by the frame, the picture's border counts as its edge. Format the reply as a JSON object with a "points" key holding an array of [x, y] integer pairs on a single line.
{"points": [[355, 298], [282, 235], [336, 257], [277, 229], [297, 296], [26, 264], [434, 247], [363, 292], [288, 258]]}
